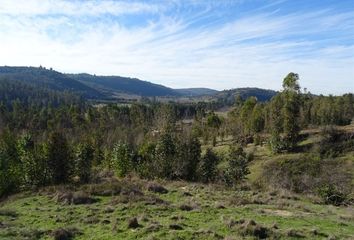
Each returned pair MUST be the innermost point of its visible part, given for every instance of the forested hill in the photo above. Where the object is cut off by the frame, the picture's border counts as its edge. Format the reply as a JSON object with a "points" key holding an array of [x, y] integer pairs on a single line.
{"points": [[27, 80], [48, 79], [116, 84], [196, 91]]}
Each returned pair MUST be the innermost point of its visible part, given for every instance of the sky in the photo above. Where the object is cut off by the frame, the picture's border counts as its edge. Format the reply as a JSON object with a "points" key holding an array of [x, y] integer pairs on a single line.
{"points": [[218, 44]]}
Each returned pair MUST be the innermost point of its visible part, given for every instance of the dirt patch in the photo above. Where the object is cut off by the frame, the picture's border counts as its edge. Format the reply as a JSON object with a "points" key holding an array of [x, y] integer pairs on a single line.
{"points": [[281, 213]]}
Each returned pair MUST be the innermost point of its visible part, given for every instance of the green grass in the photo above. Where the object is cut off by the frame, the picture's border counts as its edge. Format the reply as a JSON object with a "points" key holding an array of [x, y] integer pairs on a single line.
{"points": [[37, 214], [216, 213]]}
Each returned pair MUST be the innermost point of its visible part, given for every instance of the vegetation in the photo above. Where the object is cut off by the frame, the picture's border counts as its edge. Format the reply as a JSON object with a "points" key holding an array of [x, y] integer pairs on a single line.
{"points": [[58, 145]]}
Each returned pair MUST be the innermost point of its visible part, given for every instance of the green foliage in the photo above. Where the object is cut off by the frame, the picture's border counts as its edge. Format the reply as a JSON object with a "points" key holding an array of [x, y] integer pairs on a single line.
{"points": [[331, 195], [237, 166], [147, 166], [208, 166], [84, 157], [34, 164], [213, 121], [122, 159], [189, 151], [290, 82], [10, 168], [60, 158], [165, 154]]}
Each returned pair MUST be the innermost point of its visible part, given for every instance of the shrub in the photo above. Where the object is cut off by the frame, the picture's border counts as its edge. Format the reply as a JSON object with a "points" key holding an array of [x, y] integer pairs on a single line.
{"points": [[310, 174], [331, 195]]}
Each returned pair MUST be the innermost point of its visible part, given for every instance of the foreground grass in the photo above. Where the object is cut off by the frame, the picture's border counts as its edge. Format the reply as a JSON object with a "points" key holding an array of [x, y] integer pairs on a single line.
{"points": [[187, 211]]}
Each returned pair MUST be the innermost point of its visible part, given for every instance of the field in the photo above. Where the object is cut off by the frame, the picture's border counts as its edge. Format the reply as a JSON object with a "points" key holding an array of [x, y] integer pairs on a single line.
{"points": [[186, 211]]}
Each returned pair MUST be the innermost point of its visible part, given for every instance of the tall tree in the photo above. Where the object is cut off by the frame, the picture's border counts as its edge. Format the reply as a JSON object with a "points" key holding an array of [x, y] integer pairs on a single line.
{"points": [[291, 109], [60, 158]]}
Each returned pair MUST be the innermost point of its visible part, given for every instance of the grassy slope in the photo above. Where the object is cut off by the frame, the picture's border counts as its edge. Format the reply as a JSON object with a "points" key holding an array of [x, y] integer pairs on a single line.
{"points": [[207, 220], [215, 213]]}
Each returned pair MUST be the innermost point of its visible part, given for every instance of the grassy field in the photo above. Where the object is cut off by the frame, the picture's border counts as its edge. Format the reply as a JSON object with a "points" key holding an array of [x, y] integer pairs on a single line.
{"points": [[185, 211], [132, 208]]}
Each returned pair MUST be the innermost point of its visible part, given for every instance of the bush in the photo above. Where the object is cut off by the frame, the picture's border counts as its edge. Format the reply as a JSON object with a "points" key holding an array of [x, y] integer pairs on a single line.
{"points": [[331, 195]]}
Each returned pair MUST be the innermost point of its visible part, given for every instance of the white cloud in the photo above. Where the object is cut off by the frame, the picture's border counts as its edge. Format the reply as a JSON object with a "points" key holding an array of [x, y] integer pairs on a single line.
{"points": [[257, 50], [74, 7]]}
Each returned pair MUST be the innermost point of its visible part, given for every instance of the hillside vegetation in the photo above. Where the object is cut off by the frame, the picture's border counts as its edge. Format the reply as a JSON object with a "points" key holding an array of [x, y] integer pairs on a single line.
{"points": [[277, 169], [112, 88]]}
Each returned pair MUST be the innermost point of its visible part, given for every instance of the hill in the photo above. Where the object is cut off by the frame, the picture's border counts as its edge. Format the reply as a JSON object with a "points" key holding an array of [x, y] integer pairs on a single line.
{"points": [[196, 91], [116, 87], [49, 79], [229, 96], [111, 85]]}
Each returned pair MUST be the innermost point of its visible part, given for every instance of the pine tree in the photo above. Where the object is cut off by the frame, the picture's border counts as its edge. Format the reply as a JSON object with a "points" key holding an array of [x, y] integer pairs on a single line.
{"points": [[83, 161], [122, 159], [60, 158], [10, 169], [35, 171]]}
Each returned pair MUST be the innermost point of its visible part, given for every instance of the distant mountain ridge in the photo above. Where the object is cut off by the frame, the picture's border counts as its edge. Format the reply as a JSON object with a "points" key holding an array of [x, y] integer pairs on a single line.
{"points": [[116, 87]]}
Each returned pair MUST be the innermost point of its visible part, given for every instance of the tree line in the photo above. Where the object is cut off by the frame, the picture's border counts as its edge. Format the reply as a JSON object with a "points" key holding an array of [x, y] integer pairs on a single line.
{"points": [[71, 141]]}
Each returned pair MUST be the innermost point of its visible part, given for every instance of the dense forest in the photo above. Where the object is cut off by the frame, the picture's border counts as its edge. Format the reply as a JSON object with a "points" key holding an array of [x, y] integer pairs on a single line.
{"points": [[49, 137]]}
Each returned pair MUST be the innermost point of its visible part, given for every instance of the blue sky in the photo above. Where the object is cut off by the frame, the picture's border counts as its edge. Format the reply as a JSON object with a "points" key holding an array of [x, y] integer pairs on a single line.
{"points": [[192, 43]]}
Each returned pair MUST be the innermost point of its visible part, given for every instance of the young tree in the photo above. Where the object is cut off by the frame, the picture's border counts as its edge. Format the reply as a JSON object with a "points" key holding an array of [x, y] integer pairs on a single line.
{"points": [[34, 163], [208, 166], [165, 155], [122, 159], [60, 158], [237, 167], [10, 170], [83, 161], [187, 159], [291, 109]]}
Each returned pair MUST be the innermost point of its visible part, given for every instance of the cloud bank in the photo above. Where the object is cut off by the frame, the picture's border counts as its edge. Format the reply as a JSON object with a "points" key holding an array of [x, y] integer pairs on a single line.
{"points": [[223, 44]]}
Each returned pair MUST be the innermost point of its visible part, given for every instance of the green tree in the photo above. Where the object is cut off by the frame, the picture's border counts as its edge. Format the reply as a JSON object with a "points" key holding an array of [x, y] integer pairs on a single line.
{"points": [[237, 166], [188, 157], [165, 154], [60, 158], [291, 110], [10, 170], [35, 171], [208, 166], [84, 157], [122, 159]]}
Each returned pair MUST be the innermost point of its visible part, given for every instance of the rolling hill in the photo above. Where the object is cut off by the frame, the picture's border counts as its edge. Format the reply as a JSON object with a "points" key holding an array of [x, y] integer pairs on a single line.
{"points": [[196, 91], [116, 87], [111, 85], [49, 79]]}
